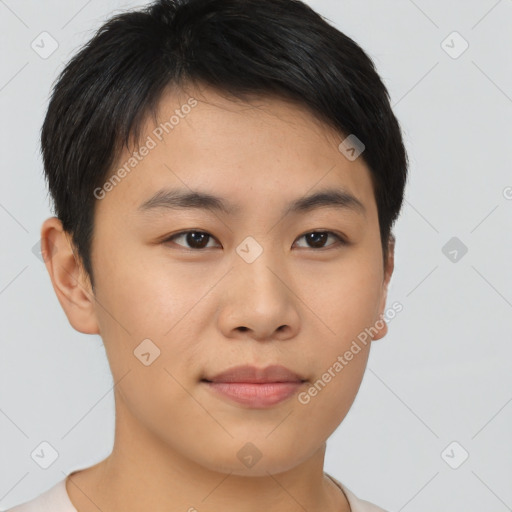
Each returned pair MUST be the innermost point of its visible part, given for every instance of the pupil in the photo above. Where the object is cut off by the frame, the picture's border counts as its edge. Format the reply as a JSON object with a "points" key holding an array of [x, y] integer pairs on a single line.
{"points": [[314, 238]]}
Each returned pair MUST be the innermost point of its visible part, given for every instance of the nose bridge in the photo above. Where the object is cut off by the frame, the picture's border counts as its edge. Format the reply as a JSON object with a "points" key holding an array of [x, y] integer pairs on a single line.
{"points": [[257, 268], [257, 298]]}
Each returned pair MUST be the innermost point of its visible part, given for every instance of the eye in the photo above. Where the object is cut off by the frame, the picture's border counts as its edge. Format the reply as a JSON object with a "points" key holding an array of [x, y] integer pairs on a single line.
{"points": [[198, 240], [317, 239], [195, 239]]}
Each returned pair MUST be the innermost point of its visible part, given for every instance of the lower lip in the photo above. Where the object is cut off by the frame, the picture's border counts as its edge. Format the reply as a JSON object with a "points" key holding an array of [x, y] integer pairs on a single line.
{"points": [[255, 395]]}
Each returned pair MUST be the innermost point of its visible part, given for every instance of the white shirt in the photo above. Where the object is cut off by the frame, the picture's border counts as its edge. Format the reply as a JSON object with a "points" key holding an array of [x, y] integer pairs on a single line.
{"points": [[56, 499]]}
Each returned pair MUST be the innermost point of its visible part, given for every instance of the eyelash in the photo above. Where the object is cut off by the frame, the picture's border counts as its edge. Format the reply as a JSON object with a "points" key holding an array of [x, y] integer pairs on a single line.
{"points": [[340, 240]]}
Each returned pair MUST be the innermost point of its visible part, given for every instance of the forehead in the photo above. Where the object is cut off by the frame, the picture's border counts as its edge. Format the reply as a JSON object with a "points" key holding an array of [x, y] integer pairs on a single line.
{"points": [[265, 149]]}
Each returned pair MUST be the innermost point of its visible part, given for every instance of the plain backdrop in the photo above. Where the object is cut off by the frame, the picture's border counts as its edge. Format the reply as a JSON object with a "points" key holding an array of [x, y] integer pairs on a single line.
{"points": [[431, 426]]}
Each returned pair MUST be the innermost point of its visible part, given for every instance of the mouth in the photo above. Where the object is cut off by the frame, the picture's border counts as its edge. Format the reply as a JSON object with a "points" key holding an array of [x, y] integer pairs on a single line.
{"points": [[255, 388]]}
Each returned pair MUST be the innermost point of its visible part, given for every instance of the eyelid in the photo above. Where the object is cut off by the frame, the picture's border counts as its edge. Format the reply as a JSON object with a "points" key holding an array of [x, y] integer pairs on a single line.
{"points": [[170, 238], [341, 239]]}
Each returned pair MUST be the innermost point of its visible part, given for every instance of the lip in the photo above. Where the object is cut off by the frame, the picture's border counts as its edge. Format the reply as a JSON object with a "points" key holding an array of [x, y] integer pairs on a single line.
{"points": [[254, 387], [252, 374]]}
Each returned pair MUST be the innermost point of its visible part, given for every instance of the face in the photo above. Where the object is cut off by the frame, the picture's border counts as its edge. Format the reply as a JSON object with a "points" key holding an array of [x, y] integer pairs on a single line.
{"points": [[186, 290]]}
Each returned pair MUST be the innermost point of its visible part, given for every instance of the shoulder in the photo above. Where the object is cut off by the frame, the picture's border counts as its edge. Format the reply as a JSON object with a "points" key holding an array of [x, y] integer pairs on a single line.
{"points": [[55, 499], [356, 504]]}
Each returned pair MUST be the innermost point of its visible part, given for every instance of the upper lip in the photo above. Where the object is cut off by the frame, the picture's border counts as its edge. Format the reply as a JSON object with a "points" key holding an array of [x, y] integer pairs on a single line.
{"points": [[252, 374]]}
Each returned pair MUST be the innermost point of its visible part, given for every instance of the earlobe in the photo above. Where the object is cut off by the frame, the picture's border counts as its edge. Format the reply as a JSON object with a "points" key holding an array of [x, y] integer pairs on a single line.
{"points": [[71, 285], [380, 323]]}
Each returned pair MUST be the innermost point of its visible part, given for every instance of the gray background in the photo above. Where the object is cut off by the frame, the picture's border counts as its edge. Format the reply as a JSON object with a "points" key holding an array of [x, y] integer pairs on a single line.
{"points": [[442, 374]]}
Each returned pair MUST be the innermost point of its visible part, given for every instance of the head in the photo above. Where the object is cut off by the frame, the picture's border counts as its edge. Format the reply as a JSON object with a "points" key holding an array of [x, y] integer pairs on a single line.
{"points": [[247, 108]]}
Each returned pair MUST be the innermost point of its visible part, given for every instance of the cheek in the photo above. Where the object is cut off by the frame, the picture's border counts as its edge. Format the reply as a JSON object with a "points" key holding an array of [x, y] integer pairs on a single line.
{"points": [[140, 300], [146, 296], [345, 298], [347, 303]]}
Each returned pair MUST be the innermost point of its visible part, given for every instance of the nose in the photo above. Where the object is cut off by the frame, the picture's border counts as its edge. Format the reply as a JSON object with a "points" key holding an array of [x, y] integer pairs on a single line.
{"points": [[258, 301]]}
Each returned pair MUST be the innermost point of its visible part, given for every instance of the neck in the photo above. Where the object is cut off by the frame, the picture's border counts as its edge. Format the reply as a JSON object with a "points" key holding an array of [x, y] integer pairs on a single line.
{"points": [[143, 472]]}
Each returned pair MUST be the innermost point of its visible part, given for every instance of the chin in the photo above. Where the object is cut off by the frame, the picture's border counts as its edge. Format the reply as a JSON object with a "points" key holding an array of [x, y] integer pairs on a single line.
{"points": [[252, 459]]}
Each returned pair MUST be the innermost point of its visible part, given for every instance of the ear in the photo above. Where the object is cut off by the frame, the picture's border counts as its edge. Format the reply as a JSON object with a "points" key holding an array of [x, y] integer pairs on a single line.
{"points": [[388, 271], [70, 282]]}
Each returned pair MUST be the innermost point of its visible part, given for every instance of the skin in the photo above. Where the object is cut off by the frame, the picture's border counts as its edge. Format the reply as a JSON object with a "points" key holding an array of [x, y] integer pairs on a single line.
{"points": [[176, 443]]}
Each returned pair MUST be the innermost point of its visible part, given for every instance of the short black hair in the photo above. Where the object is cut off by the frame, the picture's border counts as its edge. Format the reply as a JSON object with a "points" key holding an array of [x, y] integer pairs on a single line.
{"points": [[242, 48]]}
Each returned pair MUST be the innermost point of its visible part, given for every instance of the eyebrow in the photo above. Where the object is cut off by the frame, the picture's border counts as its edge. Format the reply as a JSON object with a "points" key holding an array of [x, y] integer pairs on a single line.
{"points": [[178, 199]]}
